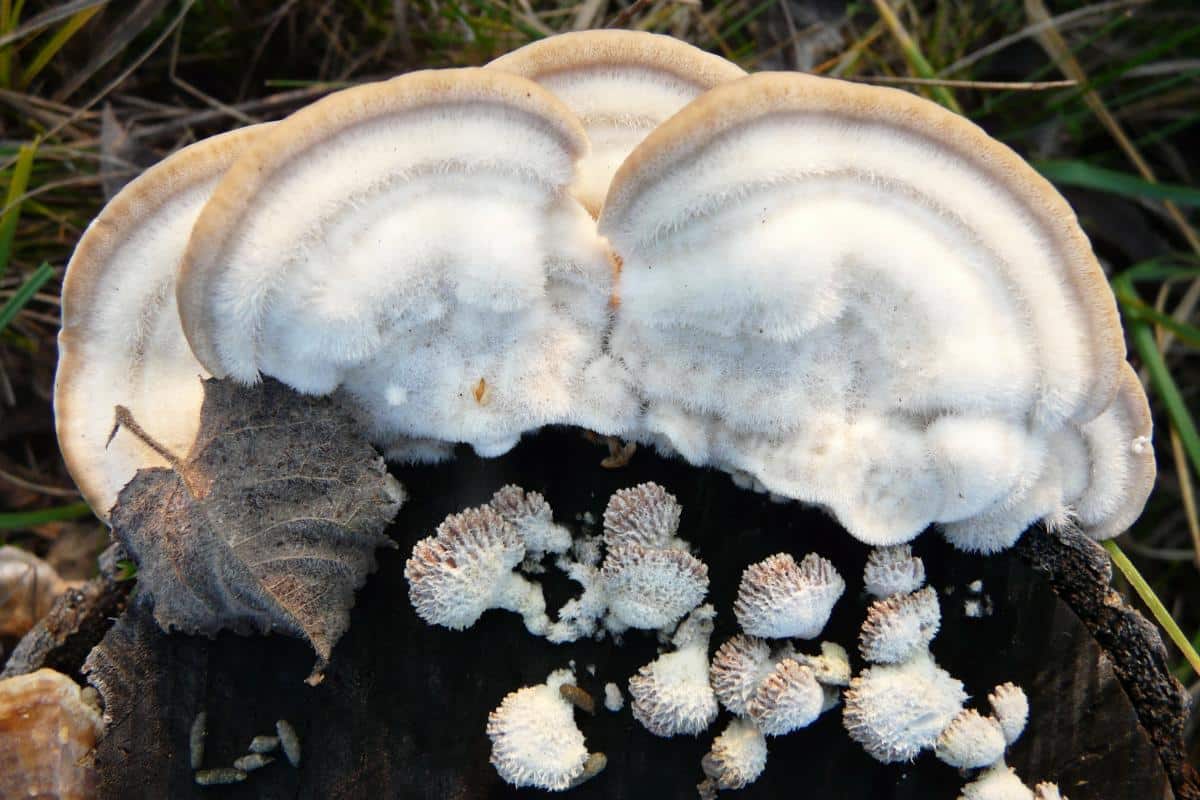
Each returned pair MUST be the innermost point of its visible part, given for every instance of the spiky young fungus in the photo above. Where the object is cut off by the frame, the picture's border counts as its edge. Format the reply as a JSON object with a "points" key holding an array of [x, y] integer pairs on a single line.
{"points": [[622, 84], [531, 515], [535, 741], [413, 242], [650, 587], [672, 694], [779, 598], [467, 567], [738, 756], [646, 514], [121, 342], [862, 301]]}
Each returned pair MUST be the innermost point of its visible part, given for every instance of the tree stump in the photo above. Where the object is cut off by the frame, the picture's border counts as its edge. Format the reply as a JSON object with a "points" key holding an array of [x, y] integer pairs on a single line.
{"points": [[402, 710]]}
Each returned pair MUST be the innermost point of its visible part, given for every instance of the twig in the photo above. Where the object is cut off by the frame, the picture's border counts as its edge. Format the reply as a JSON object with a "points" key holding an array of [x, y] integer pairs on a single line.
{"points": [[1029, 86]]}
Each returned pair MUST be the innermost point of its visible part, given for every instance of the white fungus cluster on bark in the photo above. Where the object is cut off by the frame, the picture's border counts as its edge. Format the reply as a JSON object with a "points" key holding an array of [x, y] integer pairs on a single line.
{"points": [[773, 691], [905, 703], [672, 694]]}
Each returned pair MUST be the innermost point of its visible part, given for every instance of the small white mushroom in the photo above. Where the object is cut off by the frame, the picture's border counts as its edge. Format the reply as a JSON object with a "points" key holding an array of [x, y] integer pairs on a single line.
{"points": [[535, 741], [893, 570], [533, 518], [778, 598], [651, 588], [899, 626], [613, 699], [971, 741], [831, 668], [896, 711], [1010, 706], [646, 514], [466, 567], [998, 783], [738, 756], [672, 694], [738, 666], [787, 699]]}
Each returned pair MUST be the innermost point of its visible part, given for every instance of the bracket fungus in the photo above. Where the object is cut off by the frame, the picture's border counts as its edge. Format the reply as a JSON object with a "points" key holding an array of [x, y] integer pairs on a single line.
{"points": [[672, 694], [535, 741], [437, 271], [622, 85], [121, 342], [811, 271]]}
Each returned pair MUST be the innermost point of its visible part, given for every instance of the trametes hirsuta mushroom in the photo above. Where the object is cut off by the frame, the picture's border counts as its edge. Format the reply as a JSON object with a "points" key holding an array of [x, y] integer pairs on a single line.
{"points": [[905, 703], [811, 271], [672, 694], [467, 567], [621, 84], [437, 271], [121, 342], [535, 741]]}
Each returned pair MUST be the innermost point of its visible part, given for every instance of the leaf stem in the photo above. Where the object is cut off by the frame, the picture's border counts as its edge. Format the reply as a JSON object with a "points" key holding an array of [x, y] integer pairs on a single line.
{"points": [[12, 520]]}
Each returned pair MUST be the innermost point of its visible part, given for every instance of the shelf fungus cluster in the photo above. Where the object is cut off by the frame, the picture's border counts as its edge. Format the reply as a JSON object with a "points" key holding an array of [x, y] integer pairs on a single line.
{"points": [[905, 703], [760, 677], [840, 294]]}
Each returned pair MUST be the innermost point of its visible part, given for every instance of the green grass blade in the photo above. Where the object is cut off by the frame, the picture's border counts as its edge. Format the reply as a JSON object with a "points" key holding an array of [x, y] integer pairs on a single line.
{"points": [[1143, 340], [1157, 609], [11, 520], [17, 183], [1087, 176], [57, 42], [25, 294]]}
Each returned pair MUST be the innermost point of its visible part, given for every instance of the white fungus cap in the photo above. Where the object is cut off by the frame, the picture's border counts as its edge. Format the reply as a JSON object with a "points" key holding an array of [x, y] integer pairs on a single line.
{"points": [[861, 300], [531, 515], [535, 741], [831, 667], [621, 84], [466, 567], [893, 570], [413, 242], [121, 341], [738, 756], [899, 626], [997, 783], [787, 699], [1047, 791], [778, 598], [646, 514], [672, 695], [738, 667], [896, 711], [651, 588], [970, 741], [1010, 707]]}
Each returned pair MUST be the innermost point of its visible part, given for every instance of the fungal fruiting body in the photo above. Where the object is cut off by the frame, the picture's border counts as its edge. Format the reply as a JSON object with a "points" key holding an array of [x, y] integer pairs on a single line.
{"points": [[533, 518], [787, 699], [779, 598], [467, 567], [672, 694], [646, 514], [651, 588], [905, 703], [613, 699], [121, 342], [738, 667], [471, 291], [812, 272], [535, 741], [738, 756], [621, 85]]}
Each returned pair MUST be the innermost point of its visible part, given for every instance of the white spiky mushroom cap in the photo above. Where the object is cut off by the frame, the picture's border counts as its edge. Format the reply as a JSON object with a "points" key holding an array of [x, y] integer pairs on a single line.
{"points": [[414, 242], [737, 757], [971, 741], [738, 667], [893, 570], [998, 783], [778, 598], [121, 342], [651, 588], [899, 626], [535, 741], [795, 248], [787, 699], [622, 84], [672, 695]]}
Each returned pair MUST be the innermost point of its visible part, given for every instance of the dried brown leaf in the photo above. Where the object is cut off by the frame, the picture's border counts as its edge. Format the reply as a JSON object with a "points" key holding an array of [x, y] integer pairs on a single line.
{"points": [[269, 524]]}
